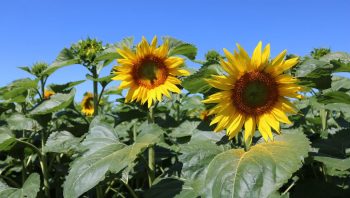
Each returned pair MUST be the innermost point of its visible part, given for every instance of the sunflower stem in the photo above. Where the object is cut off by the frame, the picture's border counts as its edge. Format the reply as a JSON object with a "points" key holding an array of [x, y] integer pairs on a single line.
{"points": [[43, 164], [151, 152], [95, 86], [99, 191]]}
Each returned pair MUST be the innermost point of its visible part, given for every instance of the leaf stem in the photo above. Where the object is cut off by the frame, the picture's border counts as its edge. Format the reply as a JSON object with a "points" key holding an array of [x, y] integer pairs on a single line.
{"points": [[132, 192]]}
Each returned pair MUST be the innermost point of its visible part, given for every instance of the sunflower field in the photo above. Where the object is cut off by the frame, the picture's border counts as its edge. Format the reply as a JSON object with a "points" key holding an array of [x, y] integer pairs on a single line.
{"points": [[239, 124]]}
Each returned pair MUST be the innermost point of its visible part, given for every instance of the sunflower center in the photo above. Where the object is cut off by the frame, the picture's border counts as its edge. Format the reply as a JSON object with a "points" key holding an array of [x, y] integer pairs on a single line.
{"points": [[255, 93], [89, 104], [150, 72]]}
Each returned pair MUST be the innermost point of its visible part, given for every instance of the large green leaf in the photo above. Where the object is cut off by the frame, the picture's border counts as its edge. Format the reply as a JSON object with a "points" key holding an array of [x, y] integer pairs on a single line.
{"points": [[55, 103], [29, 190], [7, 139], [111, 155], [177, 47], [65, 58], [258, 172], [61, 142], [19, 121], [198, 153], [196, 83]]}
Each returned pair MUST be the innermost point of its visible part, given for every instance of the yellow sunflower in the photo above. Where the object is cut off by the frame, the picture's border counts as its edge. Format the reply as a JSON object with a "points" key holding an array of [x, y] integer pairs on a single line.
{"points": [[48, 94], [87, 105], [149, 72], [253, 93]]}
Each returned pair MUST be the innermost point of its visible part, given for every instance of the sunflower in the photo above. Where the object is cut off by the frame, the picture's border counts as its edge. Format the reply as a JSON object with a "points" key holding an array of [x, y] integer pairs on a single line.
{"points": [[253, 93], [87, 105], [149, 72], [48, 94]]}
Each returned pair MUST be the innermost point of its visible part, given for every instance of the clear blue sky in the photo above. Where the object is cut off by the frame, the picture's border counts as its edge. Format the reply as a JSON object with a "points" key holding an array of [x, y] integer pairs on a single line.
{"points": [[37, 30]]}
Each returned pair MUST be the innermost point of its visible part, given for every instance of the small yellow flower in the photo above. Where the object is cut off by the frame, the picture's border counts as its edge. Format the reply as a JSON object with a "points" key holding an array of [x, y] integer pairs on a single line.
{"points": [[149, 73], [48, 94], [87, 105], [253, 93]]}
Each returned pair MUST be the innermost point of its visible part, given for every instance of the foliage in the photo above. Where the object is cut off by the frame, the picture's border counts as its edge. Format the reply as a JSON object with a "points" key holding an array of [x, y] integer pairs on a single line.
{"points": [[50, 149]]}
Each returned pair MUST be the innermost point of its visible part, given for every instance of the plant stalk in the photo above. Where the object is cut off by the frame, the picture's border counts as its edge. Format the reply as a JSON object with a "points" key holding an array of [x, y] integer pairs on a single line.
{"points": [[95, 87], [151, 152], [43, 164]]}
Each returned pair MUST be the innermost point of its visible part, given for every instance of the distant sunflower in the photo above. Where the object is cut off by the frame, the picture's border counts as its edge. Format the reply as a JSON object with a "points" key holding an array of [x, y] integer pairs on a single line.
{"points": [[253, 93], [87, 105], [149, 73], [48, 94]]}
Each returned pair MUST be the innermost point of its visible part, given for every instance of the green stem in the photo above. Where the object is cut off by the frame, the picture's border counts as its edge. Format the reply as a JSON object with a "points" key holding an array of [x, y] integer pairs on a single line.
{"points": [[101, 94], [151, 152], [99, 191], [95, 86], [42, 82], [8, 179], [132, 192], [43, 164], [151, 165], [24, 170]]}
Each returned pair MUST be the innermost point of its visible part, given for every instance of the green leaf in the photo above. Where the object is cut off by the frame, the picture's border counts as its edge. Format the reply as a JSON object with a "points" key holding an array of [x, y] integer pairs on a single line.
{"points": [[258, 172], [105, 78], [17, 90], [7, 139], [55, 103], [30, 188], [196, 83], [343, 56], [60, 88], [334, 166], [110, 52], [315, 74], [65, 58], [187, 128], [61, 142], [113, 91], [19, 121], [88, 170], [334, 97], [340, 66], [340, 83], [198, 153], [27, 69], [177, 47]]}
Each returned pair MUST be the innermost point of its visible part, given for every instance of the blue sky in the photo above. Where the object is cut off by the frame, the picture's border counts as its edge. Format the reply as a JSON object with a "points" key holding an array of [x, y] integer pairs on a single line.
{"points": [[37, 30]]}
